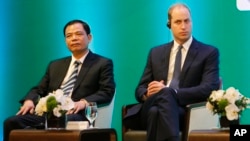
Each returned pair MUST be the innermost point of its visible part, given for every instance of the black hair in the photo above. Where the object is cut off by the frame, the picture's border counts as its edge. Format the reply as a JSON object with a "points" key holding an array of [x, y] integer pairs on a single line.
{"points": [[84, 24]]}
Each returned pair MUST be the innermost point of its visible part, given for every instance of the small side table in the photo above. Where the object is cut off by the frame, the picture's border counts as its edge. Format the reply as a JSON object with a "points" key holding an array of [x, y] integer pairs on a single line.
{"points": [[209, 135], [100, 134], [96, 134]]}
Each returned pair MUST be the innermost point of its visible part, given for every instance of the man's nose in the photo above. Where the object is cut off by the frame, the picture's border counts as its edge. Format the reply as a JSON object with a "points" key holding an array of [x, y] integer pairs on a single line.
{"points": [[183, 25], [74, 37]]}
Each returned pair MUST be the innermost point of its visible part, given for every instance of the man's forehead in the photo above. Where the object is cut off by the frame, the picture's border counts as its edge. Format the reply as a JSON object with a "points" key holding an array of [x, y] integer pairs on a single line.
{"points": [[74, 27], [181, 15], [180, 18]]}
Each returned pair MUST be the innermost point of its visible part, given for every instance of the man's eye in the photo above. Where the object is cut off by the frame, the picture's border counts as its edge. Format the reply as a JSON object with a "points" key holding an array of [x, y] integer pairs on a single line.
{"points": [[187, 21], [79, 33], [68, 36], [178, 22]]}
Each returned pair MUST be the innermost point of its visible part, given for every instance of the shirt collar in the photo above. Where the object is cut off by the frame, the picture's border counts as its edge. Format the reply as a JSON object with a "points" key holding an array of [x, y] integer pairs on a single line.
{"points": [[73, 59], [186, 45]]}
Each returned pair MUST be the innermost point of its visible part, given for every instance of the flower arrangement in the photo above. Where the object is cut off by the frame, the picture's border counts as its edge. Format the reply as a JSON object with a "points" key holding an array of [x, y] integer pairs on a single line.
{"points": [[229, 103], [54, 104]]}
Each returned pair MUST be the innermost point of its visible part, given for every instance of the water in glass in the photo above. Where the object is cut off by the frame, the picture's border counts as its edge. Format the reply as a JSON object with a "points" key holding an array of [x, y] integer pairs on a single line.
{"points": [[91, 113]]}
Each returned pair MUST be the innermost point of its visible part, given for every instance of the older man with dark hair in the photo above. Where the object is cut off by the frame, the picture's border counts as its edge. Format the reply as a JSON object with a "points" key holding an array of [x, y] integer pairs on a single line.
{"points": [[94, 82]]}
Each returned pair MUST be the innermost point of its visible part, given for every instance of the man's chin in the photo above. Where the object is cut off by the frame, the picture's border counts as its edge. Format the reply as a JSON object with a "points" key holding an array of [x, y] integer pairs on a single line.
{"points": [[79, 50], [185, 36]]}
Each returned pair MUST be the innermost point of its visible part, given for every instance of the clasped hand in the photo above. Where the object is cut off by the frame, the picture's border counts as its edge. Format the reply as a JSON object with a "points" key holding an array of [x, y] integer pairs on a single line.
{"points": [[154, 87]]}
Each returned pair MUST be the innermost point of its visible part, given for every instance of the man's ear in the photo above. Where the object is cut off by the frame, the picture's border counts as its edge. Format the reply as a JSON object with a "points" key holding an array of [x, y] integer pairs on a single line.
{"points": [[169, 25]]}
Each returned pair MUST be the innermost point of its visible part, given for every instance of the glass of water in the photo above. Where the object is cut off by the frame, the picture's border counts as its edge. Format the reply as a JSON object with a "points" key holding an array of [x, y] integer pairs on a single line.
{"points": [[91, 113]]}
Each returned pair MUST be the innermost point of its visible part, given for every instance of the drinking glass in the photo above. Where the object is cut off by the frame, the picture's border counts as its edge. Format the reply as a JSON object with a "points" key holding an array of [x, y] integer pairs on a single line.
{"points": [[91, 113]]}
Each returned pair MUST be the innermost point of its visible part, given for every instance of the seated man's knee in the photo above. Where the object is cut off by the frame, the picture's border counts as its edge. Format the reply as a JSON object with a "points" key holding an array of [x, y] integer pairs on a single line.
{"points": [[153, 111], [10, 121]]}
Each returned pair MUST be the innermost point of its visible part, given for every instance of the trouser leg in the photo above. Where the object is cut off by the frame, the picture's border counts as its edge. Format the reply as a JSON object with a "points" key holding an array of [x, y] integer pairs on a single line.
{"points": [[20, 122], [160, 116]]}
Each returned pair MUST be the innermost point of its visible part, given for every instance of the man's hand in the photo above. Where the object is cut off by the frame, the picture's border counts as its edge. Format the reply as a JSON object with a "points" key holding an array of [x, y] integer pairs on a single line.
{"points": [[79, 105], [154, 87], [28, 107]]}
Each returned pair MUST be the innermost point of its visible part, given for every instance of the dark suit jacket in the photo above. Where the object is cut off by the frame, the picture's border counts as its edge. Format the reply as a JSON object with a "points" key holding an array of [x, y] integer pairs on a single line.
{"points": [[199, 76], [95, 81]]}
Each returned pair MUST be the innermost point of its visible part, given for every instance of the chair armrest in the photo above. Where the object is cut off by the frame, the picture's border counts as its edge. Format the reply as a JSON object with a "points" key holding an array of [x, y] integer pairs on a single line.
{"points": [[124, 112], [126, 107], [105, 114], [196, 105], [188, 109]]}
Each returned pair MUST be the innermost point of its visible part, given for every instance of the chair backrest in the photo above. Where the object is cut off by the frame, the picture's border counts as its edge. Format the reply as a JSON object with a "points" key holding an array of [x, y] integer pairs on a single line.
{"points": [[211, 120], [105, 114], [201, 118]]}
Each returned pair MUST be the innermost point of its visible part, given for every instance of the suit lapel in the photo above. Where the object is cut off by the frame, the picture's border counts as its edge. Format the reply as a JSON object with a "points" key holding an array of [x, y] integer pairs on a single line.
{"points": [[192, 53], [88, 62], [165, 64], [63, 71]]}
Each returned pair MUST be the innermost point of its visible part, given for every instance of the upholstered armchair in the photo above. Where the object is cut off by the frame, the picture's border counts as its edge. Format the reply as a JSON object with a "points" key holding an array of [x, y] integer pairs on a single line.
{"points": [[105, 113]]}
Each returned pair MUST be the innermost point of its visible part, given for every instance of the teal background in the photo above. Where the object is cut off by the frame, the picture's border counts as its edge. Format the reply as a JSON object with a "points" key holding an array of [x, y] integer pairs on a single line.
{"points": [[123, 30]]}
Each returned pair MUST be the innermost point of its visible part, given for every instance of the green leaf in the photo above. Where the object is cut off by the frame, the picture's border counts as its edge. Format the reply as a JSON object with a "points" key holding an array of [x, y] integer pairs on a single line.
{"points": [[51, 104]]}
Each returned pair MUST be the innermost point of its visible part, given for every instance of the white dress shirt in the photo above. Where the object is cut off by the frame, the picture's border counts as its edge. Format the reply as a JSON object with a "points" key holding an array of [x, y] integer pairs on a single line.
{"points": [[173, 53]]}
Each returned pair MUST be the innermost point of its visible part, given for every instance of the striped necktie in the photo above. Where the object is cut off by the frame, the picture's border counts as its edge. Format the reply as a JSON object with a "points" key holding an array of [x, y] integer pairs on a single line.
{"points": [[69, 85], [177, 70]]}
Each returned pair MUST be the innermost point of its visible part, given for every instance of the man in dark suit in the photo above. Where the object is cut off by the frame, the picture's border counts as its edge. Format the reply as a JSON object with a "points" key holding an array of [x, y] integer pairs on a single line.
{"points": [[95, 81], [162, 103]]}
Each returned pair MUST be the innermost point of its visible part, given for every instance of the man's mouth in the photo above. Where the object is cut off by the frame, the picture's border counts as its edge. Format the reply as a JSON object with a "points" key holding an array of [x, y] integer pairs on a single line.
{"points": [[76, 44]]}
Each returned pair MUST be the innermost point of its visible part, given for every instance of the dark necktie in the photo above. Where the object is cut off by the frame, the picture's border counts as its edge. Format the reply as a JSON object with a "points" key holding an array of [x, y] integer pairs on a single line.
{"points": [[69, 85], [177, 70]]}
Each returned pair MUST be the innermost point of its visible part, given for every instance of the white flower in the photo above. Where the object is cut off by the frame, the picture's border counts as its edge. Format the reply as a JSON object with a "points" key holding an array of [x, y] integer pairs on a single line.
{"points": [[56, 111], [62, 104], [247, 101], [58, 94], [209, 106], [232, 112], [229, 103], [41, 106], [67, 103], [232, 95], [217, 95]]}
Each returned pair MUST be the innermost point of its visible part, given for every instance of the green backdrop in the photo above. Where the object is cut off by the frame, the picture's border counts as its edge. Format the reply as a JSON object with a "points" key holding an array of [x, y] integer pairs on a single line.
{"points": [[123, 30]]}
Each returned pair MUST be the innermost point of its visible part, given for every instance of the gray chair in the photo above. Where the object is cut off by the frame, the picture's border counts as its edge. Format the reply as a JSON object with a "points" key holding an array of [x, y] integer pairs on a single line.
{"points": [[105, 113]]}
